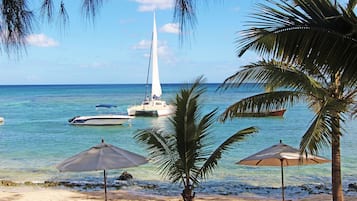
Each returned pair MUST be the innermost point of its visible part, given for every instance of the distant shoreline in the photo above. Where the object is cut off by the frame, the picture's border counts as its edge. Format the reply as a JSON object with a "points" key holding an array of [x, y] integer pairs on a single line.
{"points": [[101, 84]]}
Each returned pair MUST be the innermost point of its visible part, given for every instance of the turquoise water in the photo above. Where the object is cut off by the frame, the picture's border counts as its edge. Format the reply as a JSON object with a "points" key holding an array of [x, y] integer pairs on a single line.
{"points": [[36, 136]]}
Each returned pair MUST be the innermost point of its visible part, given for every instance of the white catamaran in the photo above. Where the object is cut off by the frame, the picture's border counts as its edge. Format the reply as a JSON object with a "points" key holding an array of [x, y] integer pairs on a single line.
{"points": [[153, 105]]}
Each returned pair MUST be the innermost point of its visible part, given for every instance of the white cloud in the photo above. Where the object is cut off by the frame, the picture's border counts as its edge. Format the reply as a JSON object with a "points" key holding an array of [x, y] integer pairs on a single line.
{"points": [[41, 40], [151, 5], [163, 50], [162, 46], [171, 28], [142, 45]]}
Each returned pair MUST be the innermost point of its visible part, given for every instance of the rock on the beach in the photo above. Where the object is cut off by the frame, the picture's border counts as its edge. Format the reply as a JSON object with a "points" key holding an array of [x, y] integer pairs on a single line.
{"points": [[8, 183], [125, 176], [352, 187]]}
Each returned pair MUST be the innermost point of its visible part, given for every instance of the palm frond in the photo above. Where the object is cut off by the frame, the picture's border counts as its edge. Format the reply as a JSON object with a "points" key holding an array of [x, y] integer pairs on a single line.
{"points": [[261, 102], [314, 32], [16, 24], [318, 135], [47, 9], [63, 16], [351, 5], [275, 74], [185, 14], [354, 111], [90, 8], [184, 123], [160, 147], [212, 162]]}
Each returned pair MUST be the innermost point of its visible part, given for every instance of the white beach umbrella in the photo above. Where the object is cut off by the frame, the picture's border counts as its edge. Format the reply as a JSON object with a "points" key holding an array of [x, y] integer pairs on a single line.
{"points": [[101, 157], [281, 155]]}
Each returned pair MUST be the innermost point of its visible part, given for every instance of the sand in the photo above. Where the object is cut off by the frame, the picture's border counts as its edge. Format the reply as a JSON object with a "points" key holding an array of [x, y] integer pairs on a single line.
{"points": [[35, 193]]}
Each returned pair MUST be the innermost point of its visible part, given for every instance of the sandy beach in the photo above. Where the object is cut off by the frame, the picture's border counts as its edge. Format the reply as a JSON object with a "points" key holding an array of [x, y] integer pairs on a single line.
{"points": [[32, 193]]}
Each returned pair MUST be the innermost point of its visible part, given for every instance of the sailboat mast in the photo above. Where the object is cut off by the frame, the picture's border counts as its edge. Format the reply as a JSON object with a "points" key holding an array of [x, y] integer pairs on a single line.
{"points": [[148, 75], [156, 91]]}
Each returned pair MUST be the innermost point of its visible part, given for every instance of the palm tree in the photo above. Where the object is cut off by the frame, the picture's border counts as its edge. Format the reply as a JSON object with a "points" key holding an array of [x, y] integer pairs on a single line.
{"points": [[319, 38], [181, 151], [329, 98]]}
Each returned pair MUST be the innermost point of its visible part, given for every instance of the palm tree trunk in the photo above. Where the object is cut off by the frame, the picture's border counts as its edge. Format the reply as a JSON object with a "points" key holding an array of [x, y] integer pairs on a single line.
{"points": [[187, 192], [337, 192]]}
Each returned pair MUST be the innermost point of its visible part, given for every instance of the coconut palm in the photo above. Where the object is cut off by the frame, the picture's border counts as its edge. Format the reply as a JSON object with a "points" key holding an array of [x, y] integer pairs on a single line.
{"points": [[329, 98], [181, 150], [320, 37]]}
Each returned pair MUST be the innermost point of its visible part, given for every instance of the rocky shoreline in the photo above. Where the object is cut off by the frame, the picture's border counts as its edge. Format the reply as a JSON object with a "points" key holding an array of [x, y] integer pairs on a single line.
{"points": [[157, 189]]}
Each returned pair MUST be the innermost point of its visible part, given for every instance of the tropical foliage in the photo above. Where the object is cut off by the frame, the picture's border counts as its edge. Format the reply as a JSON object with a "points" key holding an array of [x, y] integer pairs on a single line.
{"points": [[18, 19], [182, 150], [314, 46]]}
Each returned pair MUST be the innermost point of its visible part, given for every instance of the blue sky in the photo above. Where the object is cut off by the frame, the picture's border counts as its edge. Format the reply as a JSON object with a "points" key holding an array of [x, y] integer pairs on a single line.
{"points": [[115, 50]]}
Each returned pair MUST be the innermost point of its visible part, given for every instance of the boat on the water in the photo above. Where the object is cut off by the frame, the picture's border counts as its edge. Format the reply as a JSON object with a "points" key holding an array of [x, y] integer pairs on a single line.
{"points": [[271, 113], [101, 119], [153, 105]]}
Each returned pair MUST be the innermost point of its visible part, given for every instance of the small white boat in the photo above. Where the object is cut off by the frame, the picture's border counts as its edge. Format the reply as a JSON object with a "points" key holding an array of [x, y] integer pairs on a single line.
{"points": [[153, 105], [101, 119]]}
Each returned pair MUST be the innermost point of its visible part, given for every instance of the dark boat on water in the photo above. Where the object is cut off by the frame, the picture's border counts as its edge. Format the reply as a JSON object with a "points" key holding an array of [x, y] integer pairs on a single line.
{"points": [[273, 113]]}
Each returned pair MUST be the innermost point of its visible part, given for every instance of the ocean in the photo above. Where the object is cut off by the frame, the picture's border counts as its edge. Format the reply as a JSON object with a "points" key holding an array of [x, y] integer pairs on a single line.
{"points": [[36, 136]]}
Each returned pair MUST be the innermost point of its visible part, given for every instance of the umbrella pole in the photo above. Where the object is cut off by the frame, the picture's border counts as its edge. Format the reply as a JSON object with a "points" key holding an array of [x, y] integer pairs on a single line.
{"points": [[105, 186], [282, 179]]}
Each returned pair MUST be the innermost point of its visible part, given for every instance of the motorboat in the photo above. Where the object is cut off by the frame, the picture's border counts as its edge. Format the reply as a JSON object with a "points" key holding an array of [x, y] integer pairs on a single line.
{"points": [[153, 105], [271, 113], [101, 119]]}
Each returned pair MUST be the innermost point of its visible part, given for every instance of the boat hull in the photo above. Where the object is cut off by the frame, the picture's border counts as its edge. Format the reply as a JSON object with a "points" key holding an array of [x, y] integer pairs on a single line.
{"points": [[275, 113], [100, 120], [151, 109]]}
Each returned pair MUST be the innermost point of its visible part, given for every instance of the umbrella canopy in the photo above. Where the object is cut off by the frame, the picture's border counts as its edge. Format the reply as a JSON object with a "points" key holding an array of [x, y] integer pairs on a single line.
{"points": [[281, 155], [101, 157]]}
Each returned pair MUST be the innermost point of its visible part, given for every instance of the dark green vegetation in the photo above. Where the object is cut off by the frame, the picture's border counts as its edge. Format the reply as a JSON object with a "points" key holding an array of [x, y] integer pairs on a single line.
{"points": [[311, 55], [182, 150]]}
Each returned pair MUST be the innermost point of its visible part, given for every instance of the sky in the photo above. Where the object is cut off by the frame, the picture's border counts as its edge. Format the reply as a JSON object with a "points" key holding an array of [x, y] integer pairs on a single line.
{"points": [[115, 48]]}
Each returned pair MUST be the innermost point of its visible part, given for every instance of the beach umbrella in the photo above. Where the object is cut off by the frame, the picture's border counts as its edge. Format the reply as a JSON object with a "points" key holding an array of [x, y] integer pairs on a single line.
{"points": [[101, 157], [281, 155]]}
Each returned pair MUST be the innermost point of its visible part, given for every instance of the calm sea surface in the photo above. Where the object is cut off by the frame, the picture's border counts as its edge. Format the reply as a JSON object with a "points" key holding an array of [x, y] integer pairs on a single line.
{"points": [[36, 136]]}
